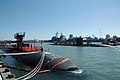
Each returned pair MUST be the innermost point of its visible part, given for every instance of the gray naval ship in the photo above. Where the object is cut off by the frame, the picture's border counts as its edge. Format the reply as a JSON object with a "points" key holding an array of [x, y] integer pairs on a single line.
{"points": [[32, 54]]}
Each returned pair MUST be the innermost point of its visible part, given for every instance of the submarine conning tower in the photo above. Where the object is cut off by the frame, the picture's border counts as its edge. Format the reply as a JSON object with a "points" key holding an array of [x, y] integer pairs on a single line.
{"points": [[19, 38]]}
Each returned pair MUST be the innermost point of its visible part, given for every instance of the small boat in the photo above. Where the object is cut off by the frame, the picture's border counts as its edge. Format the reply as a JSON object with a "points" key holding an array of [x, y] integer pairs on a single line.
{"points": [[32, 54]]}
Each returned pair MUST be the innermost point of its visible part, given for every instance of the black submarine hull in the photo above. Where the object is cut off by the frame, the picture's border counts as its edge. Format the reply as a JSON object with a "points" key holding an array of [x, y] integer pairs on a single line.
{"points": [[51, 61]]}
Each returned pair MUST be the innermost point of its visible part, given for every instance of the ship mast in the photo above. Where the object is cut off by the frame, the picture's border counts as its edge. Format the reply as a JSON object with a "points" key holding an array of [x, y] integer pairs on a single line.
{"points": [[100, 32]]}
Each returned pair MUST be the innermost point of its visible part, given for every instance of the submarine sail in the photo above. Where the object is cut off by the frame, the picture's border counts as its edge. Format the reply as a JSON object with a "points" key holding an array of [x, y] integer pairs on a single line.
{"points": [[33, 54]]}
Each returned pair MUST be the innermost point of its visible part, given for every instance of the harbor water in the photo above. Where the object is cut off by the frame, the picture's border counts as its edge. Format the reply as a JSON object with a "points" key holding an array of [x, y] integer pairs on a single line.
{"points": [[97, 63]]}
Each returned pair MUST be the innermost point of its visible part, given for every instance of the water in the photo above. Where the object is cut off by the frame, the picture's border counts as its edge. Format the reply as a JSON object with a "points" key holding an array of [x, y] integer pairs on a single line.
{"points": [[97, 63]]}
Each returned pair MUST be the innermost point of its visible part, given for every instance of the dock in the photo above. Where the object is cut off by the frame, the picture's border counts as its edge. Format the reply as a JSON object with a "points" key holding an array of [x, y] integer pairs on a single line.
{"points": [[5, 73]]}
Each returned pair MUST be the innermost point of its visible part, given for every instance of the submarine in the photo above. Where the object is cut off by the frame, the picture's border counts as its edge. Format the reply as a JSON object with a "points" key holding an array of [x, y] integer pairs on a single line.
{"points": [[32, 54]]}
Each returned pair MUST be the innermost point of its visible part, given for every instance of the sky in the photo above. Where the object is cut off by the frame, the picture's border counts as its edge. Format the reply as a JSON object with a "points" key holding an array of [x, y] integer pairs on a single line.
{"points": [[41, 19]]}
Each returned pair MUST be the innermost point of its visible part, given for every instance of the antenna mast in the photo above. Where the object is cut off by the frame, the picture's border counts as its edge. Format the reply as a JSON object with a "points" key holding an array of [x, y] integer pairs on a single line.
{"points": [[100, 32]]}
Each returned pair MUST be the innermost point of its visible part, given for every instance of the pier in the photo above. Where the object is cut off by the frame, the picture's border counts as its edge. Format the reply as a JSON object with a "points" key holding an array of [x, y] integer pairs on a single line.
{"points": [[5, 73]]}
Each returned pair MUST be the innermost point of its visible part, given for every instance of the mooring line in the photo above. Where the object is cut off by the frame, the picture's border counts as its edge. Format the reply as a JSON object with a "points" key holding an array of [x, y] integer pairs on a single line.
{"points": [[22, 53], [34, 71], [21, 69], [37, 70]]}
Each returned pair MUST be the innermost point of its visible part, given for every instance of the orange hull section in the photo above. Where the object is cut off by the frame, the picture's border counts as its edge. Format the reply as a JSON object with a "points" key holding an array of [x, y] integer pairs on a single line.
{"points": [[33, 48]]}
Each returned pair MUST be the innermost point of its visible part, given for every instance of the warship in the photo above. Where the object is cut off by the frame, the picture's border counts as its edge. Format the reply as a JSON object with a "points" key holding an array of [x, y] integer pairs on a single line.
{"points": [[31, 54]]}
